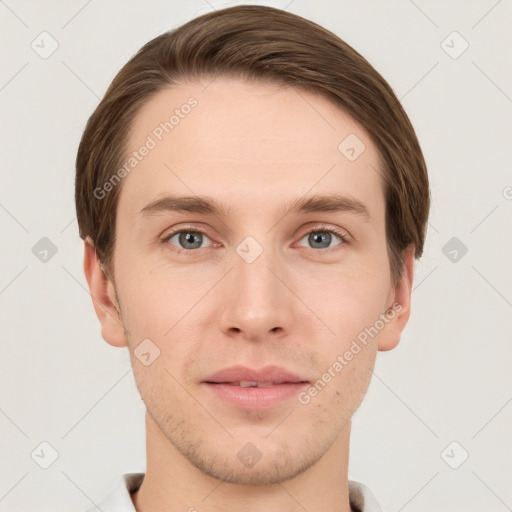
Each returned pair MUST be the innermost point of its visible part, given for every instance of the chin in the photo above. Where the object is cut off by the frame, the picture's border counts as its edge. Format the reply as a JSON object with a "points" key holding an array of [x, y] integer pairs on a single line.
{"points": [[263, 473]]}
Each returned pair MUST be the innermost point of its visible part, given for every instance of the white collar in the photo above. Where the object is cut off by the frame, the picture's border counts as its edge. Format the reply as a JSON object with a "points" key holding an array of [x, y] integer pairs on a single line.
{"points": [[119, 499]]}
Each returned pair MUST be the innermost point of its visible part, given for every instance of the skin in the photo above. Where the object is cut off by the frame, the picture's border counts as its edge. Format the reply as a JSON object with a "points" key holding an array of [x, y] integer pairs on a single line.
{"points": [[255, 148]]}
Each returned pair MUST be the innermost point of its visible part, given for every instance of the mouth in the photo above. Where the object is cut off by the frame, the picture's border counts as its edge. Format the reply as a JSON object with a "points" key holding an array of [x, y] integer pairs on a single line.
{"points": [[252, 384], [246, 388]]}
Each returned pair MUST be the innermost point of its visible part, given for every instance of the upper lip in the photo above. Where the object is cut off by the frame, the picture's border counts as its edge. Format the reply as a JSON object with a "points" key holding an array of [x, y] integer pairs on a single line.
{"points": [[274, 374]]}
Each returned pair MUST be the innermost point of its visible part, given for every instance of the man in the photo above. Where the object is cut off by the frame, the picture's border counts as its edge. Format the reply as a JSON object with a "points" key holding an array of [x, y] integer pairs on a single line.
{"points": [[252, 197]]}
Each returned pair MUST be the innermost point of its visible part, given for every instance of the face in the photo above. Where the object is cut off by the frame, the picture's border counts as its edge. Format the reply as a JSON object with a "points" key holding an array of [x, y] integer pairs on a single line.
{"points": [[251, 251]]}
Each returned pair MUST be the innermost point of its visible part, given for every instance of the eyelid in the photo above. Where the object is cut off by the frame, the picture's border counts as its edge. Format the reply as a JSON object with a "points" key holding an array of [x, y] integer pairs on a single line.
{"points": [[344, 235], [179, 229]]}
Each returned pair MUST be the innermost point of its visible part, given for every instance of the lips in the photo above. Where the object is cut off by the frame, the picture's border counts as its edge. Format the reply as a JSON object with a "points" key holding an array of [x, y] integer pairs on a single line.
{"points": [[246, 388], [247, 377]]}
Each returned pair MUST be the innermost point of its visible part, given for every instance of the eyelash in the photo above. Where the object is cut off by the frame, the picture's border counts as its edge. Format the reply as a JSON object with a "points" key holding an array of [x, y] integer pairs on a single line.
{"points": [[342, 235]]}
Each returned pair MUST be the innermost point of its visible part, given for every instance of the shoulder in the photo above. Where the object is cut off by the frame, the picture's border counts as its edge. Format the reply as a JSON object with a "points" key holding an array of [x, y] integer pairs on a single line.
{"points": [[361, 498], [118, 499]]}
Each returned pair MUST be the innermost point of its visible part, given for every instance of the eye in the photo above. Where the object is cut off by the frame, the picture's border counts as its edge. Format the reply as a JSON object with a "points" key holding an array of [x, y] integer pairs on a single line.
{"points": [[323, 238], [188, 239]]}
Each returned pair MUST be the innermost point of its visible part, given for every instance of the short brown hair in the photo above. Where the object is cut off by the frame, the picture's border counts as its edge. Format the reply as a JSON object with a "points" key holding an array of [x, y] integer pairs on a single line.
{"points": [[255, 43]]}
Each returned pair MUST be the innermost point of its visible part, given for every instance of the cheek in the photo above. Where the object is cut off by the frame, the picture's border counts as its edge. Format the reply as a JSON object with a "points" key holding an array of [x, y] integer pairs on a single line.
{"points": [[339, 390], [156, 298], [350, 306], [353, 381], [346, 301]]}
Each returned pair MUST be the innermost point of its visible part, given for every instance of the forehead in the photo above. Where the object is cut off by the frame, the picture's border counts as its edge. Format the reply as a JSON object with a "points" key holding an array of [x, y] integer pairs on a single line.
{"points": [[244, 140]]}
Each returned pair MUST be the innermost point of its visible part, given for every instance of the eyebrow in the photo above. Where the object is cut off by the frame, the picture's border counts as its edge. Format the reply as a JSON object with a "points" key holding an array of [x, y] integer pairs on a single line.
{"points": [[334, 203], [193, 204], [208, 206]]}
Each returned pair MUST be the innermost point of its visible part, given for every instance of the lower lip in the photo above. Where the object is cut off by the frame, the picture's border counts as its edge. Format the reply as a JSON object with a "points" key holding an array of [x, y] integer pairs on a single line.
{"points": [[256, 398]]}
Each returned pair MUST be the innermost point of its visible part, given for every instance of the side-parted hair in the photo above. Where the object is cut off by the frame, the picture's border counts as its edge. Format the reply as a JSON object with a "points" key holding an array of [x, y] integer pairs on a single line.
{"points": [[263, 44]]}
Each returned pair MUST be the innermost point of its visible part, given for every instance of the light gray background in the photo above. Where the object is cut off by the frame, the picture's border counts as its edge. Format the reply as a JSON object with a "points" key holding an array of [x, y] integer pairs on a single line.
{"points": [[449, 379]]}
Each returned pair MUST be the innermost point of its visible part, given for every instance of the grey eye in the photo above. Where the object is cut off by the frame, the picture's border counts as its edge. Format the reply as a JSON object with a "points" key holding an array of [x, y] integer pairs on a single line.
{"points": [[320, 239], [188, 240]]}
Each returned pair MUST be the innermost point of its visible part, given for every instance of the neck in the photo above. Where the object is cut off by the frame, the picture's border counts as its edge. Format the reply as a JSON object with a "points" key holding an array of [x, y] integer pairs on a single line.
{"points": [[172, 483]]}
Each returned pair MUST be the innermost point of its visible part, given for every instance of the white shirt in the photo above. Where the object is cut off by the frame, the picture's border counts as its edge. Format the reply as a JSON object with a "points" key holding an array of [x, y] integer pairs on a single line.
{"points": [[119, 499]]}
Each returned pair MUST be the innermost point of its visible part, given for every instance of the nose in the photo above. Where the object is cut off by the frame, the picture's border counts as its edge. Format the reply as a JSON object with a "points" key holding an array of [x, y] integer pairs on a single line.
{"points": [[256, 303]]}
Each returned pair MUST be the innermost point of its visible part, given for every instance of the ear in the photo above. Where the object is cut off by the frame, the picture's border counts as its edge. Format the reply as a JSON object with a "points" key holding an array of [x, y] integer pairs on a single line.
{"points": [[399, 305], [103, 296]]}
